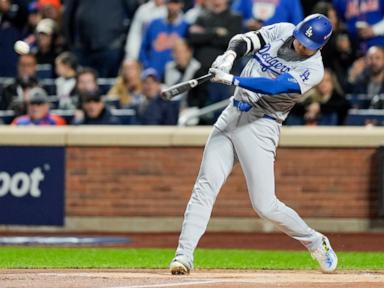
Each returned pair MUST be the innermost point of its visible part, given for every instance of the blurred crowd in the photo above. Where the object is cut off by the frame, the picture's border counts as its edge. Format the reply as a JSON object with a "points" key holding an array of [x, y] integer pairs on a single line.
{"points": [[105, 62]]}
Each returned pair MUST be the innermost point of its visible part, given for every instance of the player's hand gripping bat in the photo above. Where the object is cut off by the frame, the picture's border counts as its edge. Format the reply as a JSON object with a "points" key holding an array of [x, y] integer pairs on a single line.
{"points": [[182, 87]]}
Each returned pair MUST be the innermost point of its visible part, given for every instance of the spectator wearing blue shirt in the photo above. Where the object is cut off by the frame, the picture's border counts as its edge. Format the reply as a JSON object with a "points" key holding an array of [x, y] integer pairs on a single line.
{"points": [[258, 13], [364, 20], [160, 36], [153, 110]]}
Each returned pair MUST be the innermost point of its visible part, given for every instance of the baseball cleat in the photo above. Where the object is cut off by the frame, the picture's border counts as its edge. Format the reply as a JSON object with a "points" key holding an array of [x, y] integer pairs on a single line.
{"points": [[325, 256], [178, 268]]}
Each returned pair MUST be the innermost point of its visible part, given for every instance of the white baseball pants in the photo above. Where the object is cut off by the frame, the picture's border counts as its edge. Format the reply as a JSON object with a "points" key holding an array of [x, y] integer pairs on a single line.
{"points": [[250, 140]]}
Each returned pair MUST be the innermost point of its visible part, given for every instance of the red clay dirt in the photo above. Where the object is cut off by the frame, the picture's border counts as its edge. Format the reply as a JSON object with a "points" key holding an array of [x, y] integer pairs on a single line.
{"points": [[199, 278]]}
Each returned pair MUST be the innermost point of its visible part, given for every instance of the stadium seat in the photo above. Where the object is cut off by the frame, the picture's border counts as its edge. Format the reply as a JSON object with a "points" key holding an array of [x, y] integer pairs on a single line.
{"points": [[6, 116], [362, 117], [126, 116], [53, 102], [105, 84], [358, 101], [49, 85], [44, 71], [111, 101]]}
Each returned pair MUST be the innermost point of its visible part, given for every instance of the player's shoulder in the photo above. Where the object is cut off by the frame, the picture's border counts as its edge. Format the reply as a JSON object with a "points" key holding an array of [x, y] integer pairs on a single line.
{"points": [[286, 25], [281, 30], [282, 26]]}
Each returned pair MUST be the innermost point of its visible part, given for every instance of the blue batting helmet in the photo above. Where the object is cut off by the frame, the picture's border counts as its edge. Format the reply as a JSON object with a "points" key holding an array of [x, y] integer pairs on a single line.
{"points": [[313, 32]]}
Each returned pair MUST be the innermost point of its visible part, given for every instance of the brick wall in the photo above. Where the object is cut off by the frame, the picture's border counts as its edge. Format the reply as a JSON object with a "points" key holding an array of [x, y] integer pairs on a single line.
{"points": [[129, 181]]}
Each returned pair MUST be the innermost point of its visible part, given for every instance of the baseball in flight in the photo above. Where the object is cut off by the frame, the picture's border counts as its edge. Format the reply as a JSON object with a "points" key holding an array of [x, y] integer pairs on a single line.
{"points": [[21, 47]]}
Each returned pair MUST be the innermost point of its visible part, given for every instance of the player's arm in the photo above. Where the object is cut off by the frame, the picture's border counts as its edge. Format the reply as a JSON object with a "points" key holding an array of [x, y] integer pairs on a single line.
{"points": [[285, 83], [244, 44], [239, 45]]}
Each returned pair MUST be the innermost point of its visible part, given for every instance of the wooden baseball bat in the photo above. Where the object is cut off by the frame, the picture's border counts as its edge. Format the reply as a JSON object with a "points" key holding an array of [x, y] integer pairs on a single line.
{"points": [[182, 87]]}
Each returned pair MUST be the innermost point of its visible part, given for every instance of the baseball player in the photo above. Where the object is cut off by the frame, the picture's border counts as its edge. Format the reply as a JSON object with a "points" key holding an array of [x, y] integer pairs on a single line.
{"points": [[285, 63]]}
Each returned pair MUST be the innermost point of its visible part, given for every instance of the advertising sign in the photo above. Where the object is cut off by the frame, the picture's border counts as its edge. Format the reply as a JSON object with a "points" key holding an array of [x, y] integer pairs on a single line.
{"points": [[32, 185]]}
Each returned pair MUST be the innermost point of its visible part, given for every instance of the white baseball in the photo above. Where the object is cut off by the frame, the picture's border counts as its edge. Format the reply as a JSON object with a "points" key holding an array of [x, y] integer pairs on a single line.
{"points": [[21, 47]]}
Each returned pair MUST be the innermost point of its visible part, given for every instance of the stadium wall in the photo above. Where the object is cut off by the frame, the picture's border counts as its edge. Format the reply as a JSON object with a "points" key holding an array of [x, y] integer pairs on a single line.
{"points": [[139, 179]]}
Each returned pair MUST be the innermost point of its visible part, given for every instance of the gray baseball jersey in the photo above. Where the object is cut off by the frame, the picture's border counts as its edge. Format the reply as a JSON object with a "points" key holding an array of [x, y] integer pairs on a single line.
{"points": [[250, 139], [273, 60]]}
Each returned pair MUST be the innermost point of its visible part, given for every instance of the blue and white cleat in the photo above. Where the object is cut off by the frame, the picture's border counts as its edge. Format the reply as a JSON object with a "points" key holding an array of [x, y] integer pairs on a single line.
{"points": [[325, 256]]}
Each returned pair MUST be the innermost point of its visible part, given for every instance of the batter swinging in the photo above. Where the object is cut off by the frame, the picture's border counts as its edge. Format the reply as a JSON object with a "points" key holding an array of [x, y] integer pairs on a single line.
{"points": [[285, 63]]}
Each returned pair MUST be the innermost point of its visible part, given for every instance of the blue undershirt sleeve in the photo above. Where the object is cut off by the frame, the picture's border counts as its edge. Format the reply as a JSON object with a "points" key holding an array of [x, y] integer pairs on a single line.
{"points": [[284, 83]]}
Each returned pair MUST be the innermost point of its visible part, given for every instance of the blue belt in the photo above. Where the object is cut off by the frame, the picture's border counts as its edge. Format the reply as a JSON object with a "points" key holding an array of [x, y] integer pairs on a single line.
{"points": [[242, 106], [245, 107]]}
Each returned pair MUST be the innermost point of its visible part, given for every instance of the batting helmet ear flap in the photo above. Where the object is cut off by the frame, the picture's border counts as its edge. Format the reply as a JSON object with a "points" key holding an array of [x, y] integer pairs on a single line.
{"points": [[314, 31]]}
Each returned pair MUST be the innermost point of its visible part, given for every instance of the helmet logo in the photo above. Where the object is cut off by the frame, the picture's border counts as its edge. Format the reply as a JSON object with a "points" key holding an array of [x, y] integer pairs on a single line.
{"points": [[327, 36], [309, 32]]}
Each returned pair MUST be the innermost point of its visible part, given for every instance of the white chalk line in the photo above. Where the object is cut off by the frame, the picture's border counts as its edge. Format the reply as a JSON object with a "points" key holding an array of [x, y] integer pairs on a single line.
{"points": [[173, 284]]}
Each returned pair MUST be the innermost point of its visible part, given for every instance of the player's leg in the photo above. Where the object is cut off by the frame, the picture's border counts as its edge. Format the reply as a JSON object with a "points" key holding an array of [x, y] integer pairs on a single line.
{"points": [[255, 148], [217, 163]]}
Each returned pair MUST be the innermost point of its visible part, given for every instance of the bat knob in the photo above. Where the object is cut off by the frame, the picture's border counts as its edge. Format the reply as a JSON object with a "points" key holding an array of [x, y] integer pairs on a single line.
{"points": [[165, 95]]}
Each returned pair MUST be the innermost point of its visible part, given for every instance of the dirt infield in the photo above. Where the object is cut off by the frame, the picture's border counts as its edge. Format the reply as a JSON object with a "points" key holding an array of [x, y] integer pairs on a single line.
{"points": [[199, 278]]}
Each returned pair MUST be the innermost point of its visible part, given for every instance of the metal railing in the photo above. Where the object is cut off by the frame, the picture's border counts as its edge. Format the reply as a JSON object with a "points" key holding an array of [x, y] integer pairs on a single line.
{"points": [[51, 81], [192, 117]]}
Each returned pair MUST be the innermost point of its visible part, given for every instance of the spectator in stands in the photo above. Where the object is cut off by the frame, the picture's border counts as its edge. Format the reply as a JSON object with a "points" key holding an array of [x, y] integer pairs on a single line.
{"points": [[94, 111], [66, 69], [328, 105], [153, 110], [147, 12], [370, 80], [127, 88], [38, 111], [95, 33], [364, 20], [258, 13], [34, 17], [323, 105], [14, 95], [161, 35], [209, 38], [210, 35], [12, 20], [50, 8], [339, 53], [308, 6], [183, 68], [86, 82], [46, 48], [198, 9]]}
